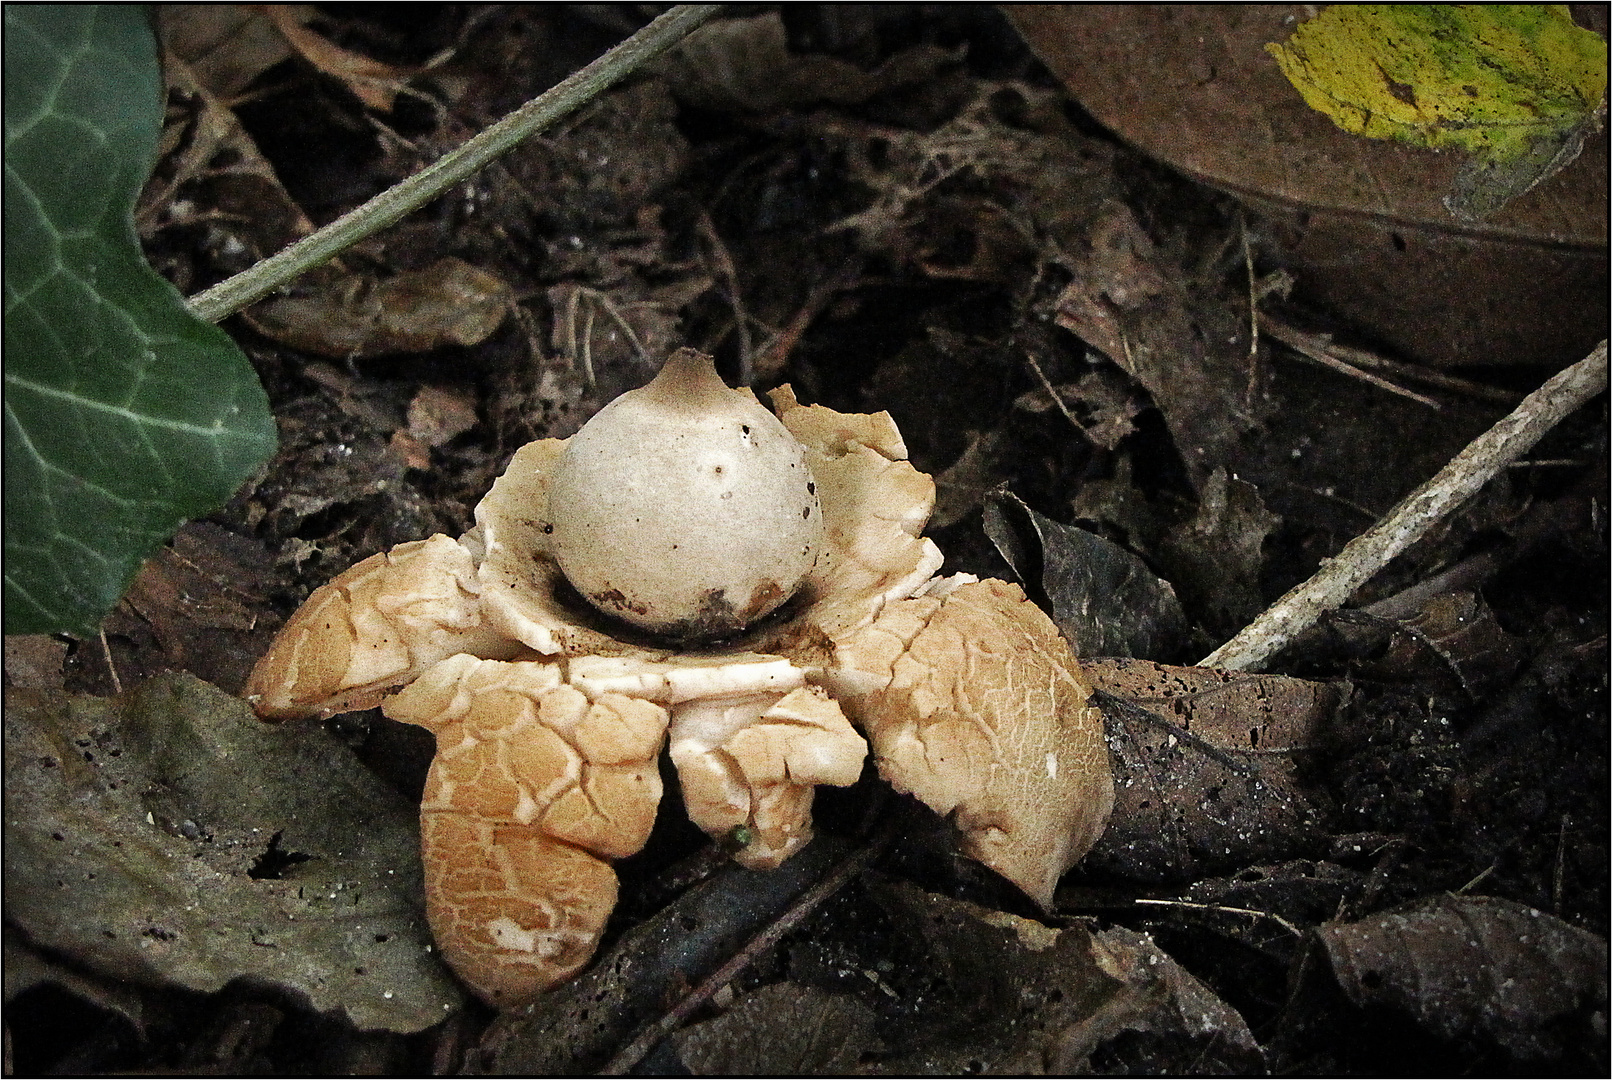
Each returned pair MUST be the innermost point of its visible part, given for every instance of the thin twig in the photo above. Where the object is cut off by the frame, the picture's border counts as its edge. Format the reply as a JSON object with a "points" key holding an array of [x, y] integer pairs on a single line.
{"points": [[1364, 358], [1057, 398], [111, 668], [391, 205], [1253, 318], [573, 304], [579, 346], [1319, 348], [1195, 906], [730, 275], [1415, 516], [809, 902], [1475, 882]]}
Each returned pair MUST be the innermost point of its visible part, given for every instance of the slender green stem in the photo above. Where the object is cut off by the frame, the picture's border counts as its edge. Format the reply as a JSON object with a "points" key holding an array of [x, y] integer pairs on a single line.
{"points": [[256, 282]]}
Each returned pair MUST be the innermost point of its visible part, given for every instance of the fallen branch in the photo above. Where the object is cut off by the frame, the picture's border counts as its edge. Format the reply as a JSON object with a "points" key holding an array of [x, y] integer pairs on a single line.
{"points": [[1414, 517]]}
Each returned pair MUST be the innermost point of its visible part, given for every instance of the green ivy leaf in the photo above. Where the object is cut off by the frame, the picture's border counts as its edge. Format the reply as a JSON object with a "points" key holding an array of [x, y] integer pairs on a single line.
{"points": [[125, 415]]}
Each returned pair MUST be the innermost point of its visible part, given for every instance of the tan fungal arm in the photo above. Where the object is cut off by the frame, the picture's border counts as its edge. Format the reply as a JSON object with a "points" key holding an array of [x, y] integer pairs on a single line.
{"points": [[749, 739], [533, 787], [549, 720], [373, 628], [975, 705], [749, 767], [874, 507]]}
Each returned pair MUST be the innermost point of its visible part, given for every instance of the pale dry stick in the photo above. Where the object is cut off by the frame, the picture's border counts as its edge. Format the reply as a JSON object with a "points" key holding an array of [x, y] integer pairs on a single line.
{"points": [[1057, 399], [391, 205], [1253, 318], [1193, 905], [1363, 358], [1475, 882], [579, 347], [111, 668], [618, 316], [1318, 347], [1414, 517]]}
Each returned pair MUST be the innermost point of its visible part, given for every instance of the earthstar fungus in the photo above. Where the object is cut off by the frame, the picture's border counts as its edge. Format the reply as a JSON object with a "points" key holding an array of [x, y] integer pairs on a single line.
{"points": [[550, 712]]}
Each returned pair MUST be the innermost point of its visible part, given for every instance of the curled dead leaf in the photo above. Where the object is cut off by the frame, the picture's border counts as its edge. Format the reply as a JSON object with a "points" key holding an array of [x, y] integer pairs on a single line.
{"points": [[1105, 600], [344, 317], [745, 64], [1191, 86], [983, 717]]}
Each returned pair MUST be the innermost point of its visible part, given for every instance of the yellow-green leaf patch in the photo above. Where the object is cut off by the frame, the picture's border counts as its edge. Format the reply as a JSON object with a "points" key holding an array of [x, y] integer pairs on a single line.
{"points": [[1517, 86]]}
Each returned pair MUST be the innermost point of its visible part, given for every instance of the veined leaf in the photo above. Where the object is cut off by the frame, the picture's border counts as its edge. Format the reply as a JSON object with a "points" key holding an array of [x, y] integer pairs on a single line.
{"points": [[124, 414], [1516, 86]]}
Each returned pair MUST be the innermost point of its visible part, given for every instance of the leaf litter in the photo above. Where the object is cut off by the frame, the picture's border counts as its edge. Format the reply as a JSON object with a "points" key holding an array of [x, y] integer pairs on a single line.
{"points": [[1040, 308], [133, 824]]}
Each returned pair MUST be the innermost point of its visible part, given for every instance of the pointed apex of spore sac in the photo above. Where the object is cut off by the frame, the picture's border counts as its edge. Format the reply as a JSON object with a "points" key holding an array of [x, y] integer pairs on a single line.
{"points": [[684, 507]]}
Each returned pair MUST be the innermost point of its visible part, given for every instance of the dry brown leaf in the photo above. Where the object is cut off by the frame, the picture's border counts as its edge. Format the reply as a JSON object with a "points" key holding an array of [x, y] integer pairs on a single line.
{"points": [[376, 84], [197, 605], [206, 578], [227, 46], [213, 171], [1131, 303], [1105, 600], [1215, 559], [1210, 781], [1007, 995], [1165, 1001], [1191, 84], [1479, 967], [1454, 639], [34, 661], [167, 837], [348, 316], [962, 487], [1252, 714]]}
